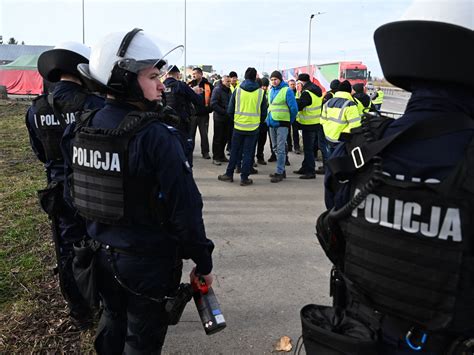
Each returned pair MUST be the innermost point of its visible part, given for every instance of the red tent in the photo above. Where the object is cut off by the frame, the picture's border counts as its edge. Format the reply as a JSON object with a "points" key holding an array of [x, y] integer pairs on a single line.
{"points": [[21, 76]]}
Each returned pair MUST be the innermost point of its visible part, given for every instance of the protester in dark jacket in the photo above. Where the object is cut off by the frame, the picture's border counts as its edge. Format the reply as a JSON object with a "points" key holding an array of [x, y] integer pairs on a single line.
{"points": [[201, 119], [219, 102]]}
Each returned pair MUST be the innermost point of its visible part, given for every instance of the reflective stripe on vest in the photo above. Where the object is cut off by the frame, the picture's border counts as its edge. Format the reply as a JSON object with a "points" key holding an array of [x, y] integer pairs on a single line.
{"points": [[278, 107], [311, 114], [247, 109], [335, 120], [379, 99]]}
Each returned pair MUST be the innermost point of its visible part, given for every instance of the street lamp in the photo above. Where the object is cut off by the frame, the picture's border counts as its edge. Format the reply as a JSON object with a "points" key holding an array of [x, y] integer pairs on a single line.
{"points": [[185, 48], [278, 56], [83, 27], [309, 40], [263, 65]]}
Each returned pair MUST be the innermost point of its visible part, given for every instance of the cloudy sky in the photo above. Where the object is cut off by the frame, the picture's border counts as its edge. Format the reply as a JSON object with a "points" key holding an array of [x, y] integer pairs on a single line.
{"points": [[231, 35]]}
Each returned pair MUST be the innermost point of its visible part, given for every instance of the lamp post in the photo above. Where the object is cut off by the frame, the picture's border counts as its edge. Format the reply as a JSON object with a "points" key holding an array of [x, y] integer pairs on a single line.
{"points": [[309, 40], [185, 48], [83, 27], [278, 56], [263, 65]]}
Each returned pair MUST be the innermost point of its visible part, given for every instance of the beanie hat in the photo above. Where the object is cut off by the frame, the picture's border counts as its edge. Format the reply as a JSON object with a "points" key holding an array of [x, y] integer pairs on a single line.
{"points": [[345, 86], [233, 74], [304, 77], [276, 74], [358, 88], [334, 84], [265, 82], [251, 73]]}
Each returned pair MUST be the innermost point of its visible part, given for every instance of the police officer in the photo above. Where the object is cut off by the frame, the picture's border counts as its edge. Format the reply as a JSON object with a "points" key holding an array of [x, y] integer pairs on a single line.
{"points": [[400, 231], [339, 115], [182, 99], [309, 107], [133, 183], [46, 120]]}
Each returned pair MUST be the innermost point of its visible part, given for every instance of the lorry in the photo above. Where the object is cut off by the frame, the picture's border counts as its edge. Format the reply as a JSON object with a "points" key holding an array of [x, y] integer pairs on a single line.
{"points": [[322, 74]]}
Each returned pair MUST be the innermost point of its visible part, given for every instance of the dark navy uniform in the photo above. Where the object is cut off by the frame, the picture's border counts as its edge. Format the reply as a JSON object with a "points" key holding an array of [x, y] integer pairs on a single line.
{"points": [[145, 256], [432, 160], [67, 224]]}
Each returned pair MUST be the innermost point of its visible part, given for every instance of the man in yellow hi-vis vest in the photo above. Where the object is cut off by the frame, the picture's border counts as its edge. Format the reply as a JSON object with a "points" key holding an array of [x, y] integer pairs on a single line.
{"points": [[247, 107], [340, 114], [377, 99], [282, 112], [309, 106]]}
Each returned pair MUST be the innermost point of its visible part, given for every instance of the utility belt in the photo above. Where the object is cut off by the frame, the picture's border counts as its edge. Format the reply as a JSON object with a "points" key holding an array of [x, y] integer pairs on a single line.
{"points": [[85, 273]]}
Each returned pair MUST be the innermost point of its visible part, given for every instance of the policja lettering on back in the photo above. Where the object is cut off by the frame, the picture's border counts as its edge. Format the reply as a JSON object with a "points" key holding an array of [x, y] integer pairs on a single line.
{"points": [[402, 217], [50, 120], [111, 161]]}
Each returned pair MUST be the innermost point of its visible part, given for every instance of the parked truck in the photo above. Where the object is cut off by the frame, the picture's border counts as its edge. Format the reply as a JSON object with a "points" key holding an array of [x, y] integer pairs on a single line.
{"points": [[323, 74]]}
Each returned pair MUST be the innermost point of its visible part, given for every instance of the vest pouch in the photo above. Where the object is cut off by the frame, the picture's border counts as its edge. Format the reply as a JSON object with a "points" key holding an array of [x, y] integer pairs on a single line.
{"points": [[329, 333], [51, 198], [84, 271]]}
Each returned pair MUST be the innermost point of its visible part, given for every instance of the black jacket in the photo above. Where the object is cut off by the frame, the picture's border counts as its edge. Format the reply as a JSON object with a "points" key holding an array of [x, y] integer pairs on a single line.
{"points": [[202, 109], [305, 100], [220, 101]]}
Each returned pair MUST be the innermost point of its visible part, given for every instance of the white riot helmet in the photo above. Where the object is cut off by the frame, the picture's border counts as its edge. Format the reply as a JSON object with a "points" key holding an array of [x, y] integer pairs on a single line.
{"points": [[116, 60], [433, 42], [62, 59]]}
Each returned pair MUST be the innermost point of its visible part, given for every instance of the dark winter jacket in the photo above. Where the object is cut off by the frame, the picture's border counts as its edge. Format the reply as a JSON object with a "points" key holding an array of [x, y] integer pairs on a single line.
{"points": [[203, 108], [220, 102]]}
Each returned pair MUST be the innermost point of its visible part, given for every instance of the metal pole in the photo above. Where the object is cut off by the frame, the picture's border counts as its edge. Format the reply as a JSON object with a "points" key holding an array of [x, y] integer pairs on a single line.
{"points": [[185, 48], [309, 44], [83, 27]]}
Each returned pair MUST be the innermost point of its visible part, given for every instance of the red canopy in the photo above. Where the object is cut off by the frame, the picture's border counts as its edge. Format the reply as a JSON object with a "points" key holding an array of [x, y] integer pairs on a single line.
{"points": [[22, 82]]}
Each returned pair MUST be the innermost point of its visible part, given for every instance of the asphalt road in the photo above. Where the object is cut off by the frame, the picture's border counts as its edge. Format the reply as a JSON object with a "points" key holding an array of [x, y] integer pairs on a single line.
{"points": [[267, 262]]}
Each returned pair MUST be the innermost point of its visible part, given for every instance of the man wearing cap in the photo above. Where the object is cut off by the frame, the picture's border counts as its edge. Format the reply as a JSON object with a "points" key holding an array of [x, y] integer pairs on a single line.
{"points": [[46, 121], [282, 113], [182, 99], [248, 108], [333, 87], [339, 115], [309, 107], [361, 98]]}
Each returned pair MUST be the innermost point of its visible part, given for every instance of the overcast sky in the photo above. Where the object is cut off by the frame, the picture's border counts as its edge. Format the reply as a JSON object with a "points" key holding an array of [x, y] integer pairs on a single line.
{"points": [[230, 35]]}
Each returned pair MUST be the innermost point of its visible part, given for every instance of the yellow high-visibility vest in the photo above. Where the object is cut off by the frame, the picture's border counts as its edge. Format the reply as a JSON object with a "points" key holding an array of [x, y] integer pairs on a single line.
{"points": [[379, 99], [247, 109], [340, 114], [311, 114], [278, 107]]}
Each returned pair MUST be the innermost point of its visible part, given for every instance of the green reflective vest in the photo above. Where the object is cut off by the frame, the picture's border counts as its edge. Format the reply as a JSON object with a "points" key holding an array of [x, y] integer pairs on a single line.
{"points": [[339, 116], [278, 107], [247, 109], [360, 106], [379, 99], [310, 114]]}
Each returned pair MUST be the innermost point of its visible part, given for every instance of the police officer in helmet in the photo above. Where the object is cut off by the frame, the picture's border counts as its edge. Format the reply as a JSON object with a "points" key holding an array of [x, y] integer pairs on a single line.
{"points": [[46, 121], [132, 182], [399, 228]]}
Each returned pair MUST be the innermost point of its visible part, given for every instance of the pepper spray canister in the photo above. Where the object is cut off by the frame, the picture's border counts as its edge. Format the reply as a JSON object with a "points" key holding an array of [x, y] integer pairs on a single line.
{"points": [[208, 307]]}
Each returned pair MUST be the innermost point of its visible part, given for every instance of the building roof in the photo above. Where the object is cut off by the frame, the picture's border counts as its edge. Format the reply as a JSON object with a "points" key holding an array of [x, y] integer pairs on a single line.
{"points": [[10, 52], [24, 62]]}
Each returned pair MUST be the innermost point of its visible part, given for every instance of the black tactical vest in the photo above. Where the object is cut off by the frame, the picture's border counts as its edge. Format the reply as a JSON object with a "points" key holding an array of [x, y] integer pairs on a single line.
{"points": [[177, 102], [102, 187], [51, 118], [409, 247]]}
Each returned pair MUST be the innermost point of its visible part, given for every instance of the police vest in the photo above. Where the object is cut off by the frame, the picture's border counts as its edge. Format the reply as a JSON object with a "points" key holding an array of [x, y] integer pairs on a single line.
{"points": [[311, 114], [409, 247], [247, 109], [51, 122], [278, 107], [177, 102], [102, 188], [379, 99], [339, 115]]}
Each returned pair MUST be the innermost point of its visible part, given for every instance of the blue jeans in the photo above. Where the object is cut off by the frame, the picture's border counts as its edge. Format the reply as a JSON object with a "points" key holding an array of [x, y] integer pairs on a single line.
{"points": [[308, 165], [242, 149], [322, 144], [279, 135]]}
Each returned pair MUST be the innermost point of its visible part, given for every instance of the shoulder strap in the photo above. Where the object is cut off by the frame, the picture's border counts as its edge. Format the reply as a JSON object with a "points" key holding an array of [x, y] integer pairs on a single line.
{"points": [[85, 118], [363, 153]]}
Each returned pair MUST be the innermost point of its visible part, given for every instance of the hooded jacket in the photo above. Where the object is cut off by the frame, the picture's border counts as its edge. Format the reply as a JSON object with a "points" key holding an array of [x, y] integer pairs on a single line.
{"points": [[220, 101], [290, 101], [250, 86]]}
